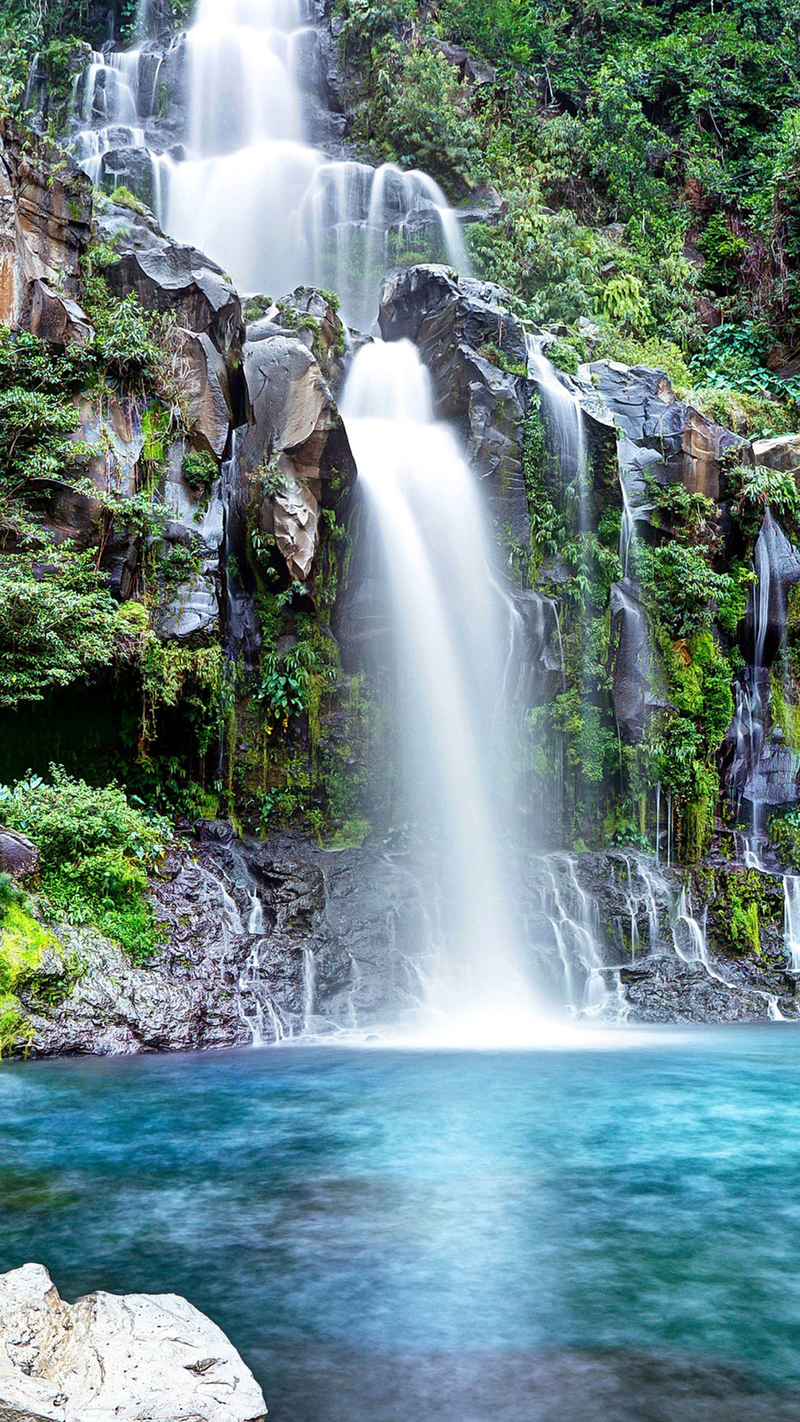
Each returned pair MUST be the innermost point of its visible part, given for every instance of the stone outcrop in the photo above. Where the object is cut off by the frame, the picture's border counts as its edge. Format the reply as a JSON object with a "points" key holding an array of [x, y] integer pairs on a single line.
{"points": [[115, 1358], [169, 277], [45, 226], [294, 448], [690, 446], [247, 926], [633, 664], [782, 452], [475, 350], [18, 856]]}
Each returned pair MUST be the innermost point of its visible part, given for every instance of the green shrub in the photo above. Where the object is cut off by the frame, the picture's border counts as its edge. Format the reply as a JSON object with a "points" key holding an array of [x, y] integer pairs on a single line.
{"points": [[686, 592], [756, 488], [96, 850], [58, 623]]}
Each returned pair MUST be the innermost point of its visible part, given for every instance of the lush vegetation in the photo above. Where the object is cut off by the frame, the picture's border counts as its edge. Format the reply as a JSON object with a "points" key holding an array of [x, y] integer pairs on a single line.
{"points": [[647, 158], [96, 851]]}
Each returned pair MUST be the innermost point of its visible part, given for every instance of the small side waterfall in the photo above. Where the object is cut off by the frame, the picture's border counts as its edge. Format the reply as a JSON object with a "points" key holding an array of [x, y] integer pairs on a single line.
{"points": [[565, 417], [791, 920], [448, 623]]}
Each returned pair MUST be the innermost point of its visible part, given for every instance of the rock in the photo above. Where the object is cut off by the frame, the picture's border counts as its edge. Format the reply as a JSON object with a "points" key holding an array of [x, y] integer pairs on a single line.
{"points": [[45, 226], [777, 562], [782, 452], [295, 434], [18, 856], [690, 446], [193, 613], [115, 1358], [326, 338], [471, 71], [462, 328], [168, 276], [633, 665], [204, 382]]}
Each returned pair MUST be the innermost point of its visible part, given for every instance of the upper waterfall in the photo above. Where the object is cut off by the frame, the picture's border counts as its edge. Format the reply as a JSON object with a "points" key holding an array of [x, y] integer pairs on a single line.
{"points": [[245, 185]]}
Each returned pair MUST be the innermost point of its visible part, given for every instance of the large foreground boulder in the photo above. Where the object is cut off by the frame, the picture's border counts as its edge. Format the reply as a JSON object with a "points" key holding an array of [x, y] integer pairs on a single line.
{"points": [[115, 1358]]}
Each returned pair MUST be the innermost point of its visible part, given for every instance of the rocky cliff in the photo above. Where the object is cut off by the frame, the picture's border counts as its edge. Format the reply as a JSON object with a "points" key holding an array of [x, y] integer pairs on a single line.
{"points": [[185, 500]]}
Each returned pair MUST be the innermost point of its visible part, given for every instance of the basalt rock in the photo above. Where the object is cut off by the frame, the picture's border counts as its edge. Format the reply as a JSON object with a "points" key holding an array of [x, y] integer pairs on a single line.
{"points": [[170, 277], [782, 453], [45, 226], [260, 937], [690, 447], [295, 444], [633, 665], [115, 1358], [475, 350], [18, 856]]}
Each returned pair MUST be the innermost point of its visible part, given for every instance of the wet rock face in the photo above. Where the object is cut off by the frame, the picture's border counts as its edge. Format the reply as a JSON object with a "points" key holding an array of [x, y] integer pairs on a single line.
{"points": [[633, 690], [45, 226], [18, 856], [689, 446], [644, 933], [294, 449], [263, 939], [462, 327], [115, 1358]]}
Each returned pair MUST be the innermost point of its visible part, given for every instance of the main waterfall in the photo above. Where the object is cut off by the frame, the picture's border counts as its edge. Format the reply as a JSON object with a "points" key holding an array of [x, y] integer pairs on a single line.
{"points": [[244, 185], [453, 639]]}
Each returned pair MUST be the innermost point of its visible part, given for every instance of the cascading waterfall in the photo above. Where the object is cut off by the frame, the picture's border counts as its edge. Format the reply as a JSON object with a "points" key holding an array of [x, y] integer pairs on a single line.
{"points": [[565, 416], [448, 619], [791, 920], [247, 189]]}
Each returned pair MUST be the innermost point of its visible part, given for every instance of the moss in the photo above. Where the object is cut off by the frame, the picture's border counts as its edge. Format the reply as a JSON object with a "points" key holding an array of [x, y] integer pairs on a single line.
{"points": [[23, 943]]}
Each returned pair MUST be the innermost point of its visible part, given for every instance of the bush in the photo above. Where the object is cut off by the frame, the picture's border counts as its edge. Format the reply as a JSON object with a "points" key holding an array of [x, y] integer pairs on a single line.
{"points": [[96, 850], [685, 591], [58, 623]]}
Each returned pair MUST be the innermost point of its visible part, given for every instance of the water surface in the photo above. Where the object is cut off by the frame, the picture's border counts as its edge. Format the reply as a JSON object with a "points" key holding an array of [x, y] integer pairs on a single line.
{"points": [[600, 1234]]}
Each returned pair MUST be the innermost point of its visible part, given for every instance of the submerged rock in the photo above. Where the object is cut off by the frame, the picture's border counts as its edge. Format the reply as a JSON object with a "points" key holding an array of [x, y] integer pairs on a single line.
{"points": [[115, 1358]]}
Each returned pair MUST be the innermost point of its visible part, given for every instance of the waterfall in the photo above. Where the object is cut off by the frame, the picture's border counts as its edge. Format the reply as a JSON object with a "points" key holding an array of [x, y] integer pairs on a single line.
{"points": [[448, 625], [564, 415], [245, 187], [791, 920]]}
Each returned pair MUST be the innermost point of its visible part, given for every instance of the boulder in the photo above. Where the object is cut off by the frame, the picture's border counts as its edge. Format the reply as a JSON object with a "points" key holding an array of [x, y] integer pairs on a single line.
{"points": [[115, 1358], [18, 856], [642, 402], [296, 436], [476, 352], [782, 452], [45, 227]]}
